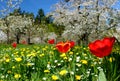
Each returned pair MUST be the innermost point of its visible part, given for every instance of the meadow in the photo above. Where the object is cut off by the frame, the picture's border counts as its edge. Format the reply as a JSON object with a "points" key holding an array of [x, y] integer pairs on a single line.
{"points": [[46, 63]]}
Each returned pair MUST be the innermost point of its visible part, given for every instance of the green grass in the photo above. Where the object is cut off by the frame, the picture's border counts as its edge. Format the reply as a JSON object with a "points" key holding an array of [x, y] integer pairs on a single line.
{"points": [[41, 62]]}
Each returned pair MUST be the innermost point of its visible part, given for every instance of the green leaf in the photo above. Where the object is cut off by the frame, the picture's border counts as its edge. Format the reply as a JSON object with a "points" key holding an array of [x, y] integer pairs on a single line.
{"points": [[101, 76]]}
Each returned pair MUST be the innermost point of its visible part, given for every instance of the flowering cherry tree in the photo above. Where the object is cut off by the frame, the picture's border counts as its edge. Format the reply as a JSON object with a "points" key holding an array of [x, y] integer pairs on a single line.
{"points": [[84, 19], [7, 5], [15, 25]]}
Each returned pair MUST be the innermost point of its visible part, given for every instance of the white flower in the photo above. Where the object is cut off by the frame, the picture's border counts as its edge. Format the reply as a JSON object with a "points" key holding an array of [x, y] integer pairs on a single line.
{"points": [[72, 73], [48, 66], [44, 78], [56, 61]]}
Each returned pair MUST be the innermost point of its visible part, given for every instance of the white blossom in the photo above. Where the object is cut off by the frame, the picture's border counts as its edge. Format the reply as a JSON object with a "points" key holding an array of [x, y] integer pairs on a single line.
{"points": [[81, 17]]}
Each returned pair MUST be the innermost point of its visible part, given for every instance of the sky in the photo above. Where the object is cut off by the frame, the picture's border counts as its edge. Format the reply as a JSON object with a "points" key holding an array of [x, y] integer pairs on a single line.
{"points": [[34, 5]]}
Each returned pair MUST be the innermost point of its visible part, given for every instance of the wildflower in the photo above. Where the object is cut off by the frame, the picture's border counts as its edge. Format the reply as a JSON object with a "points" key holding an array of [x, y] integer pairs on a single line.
{"points": [[63, 47], [77, 58], [63, 55], [51, 52], [84, 61], [111, 59], [54, 77], [65, 58], [17, 76], [13, 67], [14, 44], [70, 59], [72, 73], [7, 60], [18, 59], [2, 77], [101, 48], [44, 78], [31, 55], [71, 53], [48, 66], [41, 55], [77, 64], [56, 61], [78, 77], [30, 64], [51, 41], [46, 71], [63, 72]]}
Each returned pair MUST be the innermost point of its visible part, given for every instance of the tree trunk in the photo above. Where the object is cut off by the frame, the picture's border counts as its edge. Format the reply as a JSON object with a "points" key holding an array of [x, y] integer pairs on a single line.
{"points": [[17, 38], [8, 40], [29, 37], [83, 39], [28, 40]]}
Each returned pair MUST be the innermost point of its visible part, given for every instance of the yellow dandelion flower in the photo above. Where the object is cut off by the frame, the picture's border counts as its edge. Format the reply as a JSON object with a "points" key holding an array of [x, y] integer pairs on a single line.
{"points": [[65, 58], [84, 61], [33, 54], [43, 49], [84, 48], [63, 72], [41, 55], [46, 71], [7, 60], [28, 55], [18, 59], [54, 77], [16, 53], [13, 67], [17, 76], [111, 59], [51, 52], [29, 64], [63, 55], [78, 77], [71, 53]]}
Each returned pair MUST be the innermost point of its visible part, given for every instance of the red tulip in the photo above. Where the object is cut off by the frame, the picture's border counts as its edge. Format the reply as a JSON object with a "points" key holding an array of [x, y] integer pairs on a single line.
{"points": [[72, 44], [101, 48], [63, 47], [51, 41], [14, 44]]}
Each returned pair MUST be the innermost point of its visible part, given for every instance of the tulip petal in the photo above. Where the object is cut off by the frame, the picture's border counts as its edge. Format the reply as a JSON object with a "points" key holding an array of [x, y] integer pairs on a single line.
{"points": [[101, 48], [66, 47]]}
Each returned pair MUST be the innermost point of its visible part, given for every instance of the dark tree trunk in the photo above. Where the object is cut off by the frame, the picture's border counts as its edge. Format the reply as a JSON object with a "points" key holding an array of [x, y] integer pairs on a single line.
{"points": [[83, 39], [17, 38], [28, 37], [8, 40], [28, 40]]}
